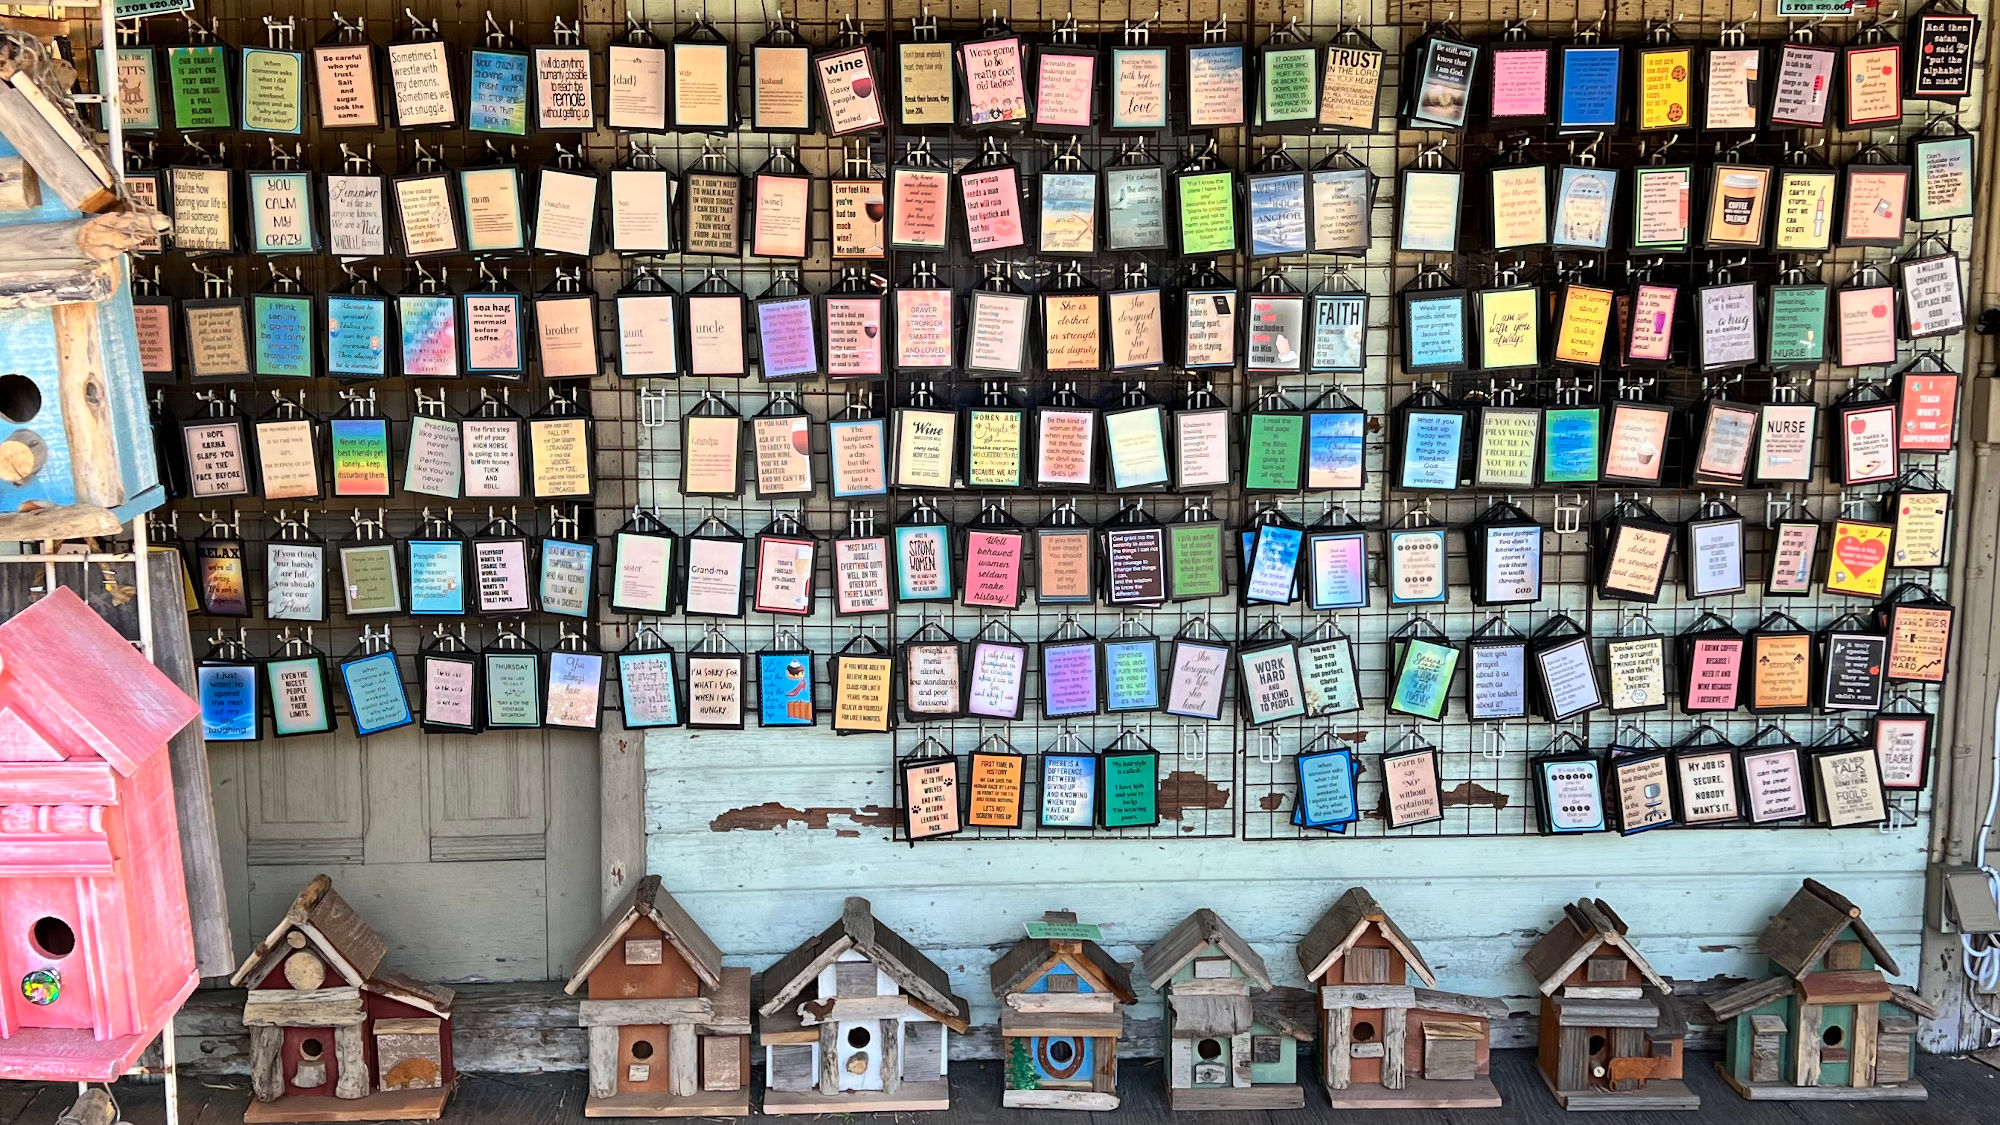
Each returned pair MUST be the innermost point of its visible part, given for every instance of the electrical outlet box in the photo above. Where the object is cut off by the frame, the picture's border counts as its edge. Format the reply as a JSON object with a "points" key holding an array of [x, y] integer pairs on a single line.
{"points": [[1973, 908]]}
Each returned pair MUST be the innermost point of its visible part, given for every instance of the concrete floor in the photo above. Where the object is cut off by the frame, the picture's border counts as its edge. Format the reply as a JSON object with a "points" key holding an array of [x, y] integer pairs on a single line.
{"points": [[1963, 1092]]}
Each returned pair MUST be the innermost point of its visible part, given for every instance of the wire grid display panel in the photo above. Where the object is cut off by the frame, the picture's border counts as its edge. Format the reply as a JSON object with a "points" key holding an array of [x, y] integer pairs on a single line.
{"points": [[1485, 781], [612, 407], [1197, 762]]}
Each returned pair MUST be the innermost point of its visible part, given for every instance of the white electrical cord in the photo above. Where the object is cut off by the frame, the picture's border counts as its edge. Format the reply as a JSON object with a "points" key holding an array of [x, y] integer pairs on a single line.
{"points": [[1982, 951]]}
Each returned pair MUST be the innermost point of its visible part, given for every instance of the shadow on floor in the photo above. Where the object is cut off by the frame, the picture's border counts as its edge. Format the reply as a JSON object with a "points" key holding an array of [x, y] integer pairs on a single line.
{"points": [[1963, 1092]]}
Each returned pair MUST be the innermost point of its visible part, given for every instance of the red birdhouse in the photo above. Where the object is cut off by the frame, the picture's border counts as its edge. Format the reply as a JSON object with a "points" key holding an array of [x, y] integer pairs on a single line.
{"points": [[95, 950]]}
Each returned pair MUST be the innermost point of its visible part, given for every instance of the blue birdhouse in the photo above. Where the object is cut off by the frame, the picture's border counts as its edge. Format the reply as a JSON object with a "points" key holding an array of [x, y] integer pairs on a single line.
{"points": [[75, 442]]}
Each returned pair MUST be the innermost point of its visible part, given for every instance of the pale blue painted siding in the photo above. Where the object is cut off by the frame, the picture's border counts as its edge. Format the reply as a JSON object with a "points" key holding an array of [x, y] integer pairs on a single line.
{"points": [[1696, 900]]}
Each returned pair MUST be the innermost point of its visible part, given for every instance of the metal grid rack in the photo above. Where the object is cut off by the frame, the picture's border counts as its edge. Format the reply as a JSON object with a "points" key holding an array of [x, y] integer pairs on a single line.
{"points": [[612, 408], [1485, 784], [637, 437]]}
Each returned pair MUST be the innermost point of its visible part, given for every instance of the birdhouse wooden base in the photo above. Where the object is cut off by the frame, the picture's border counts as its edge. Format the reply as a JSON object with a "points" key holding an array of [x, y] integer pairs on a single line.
{"points": [[1058, 1099], [1911, 1091], [705, 1103], [391, 1105], [1236, 1097], [1420, 1093], [910, 1096], [1657, 1093], [45, 1054]]}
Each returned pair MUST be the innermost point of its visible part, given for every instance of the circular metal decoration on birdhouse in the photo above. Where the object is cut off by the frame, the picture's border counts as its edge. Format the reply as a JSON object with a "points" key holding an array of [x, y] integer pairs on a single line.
{"points": [[42, 987]]}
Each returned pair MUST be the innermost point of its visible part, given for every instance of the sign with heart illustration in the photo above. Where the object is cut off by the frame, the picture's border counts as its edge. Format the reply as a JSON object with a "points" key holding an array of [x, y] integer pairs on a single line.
{"points": [[1860, 561]]}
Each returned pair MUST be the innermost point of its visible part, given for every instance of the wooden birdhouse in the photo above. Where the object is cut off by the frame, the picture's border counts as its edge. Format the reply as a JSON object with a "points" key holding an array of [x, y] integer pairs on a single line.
{"points": [[1827, 1024], [1388, 1037], [94, 930], [1612, 1032], [854, 1021], [1232, 1039], [336, 1035], [1062, 1010], [75, 440], [669, 1026]]}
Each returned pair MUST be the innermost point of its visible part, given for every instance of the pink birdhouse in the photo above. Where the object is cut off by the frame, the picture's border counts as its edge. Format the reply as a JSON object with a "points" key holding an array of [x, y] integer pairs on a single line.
{"points": [[96, 954]]}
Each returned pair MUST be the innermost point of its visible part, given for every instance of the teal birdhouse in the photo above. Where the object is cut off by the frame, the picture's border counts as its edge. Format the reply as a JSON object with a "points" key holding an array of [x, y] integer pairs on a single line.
{"points": [[75, 442]]}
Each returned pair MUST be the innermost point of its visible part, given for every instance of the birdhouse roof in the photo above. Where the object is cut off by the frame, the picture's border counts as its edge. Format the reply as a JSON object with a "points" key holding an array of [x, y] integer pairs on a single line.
{"points": [[1812, 921], [650, 901], [1587, 926], [856, 929], [1029, 958], [1345, 923], [1195, 932], [37, 120], [85, 688], [351, 947]]}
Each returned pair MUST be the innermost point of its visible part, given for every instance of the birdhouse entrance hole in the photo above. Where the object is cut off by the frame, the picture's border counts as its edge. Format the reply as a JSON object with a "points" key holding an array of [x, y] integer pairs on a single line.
{"points": [[52, 936], [1832, 1036], [1364, 1032], [1060, 1052], [642, 1050], [20, 399], [1208, 1049], [857, 1037], [311, 1049]]}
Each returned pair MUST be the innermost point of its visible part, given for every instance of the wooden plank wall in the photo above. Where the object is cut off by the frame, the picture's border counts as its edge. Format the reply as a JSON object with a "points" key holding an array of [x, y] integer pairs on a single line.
{"points": [[760, 837]]}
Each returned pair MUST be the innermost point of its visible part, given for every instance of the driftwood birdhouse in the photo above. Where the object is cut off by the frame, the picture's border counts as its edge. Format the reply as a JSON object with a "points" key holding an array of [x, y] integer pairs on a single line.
{"points": [[75, 441], [335, 1034]]}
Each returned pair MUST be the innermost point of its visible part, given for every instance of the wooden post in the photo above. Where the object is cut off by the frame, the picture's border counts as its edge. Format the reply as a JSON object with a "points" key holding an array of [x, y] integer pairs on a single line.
{"points": [[603, 1061], [892, 1055], [1180, 1058], [1395, 1047], [1867, 1040], [267, 1071], [829, 1058], [350, 1054], [1805, 1047], [86, 407], [1339, 1048], [683, 1060], [1239, 1060]]}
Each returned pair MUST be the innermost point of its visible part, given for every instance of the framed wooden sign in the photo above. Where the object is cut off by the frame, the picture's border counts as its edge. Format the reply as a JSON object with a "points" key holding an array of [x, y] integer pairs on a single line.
{"points": [[702, 77], [926, 95], [1585, 206], [996, 680], [1902, 740], [420, 82], [1774, 782], [1636, 674], [1070, 679], [1871, 83], [1519, 74], [1643, 784], [850, 98], [295, 683], [1139, 94], [713, 583], [712, 212], [1707, 784], [636, 84], [1780, 664], [650, 689], [1940, 41], [1440, 87], [1739, 197], [1216, 79], [1421, 683], [1733, 93], [1803, 86], [498, 90], [1065, 84], [716, 690], [1662, 209], [1711, 665], [1847, 787], [1569, 793], [1590, 86], [992, 73], [863, 675], [1876, 203], [1794, 555]]}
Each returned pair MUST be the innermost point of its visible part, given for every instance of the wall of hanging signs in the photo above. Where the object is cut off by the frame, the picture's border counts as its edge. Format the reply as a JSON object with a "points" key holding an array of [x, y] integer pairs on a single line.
{"points": [[1291, 429]]}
